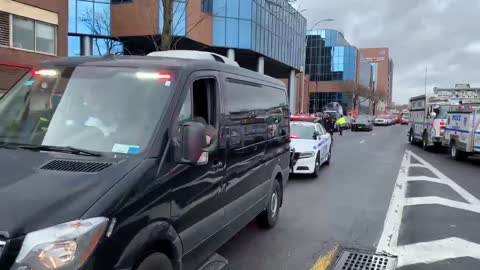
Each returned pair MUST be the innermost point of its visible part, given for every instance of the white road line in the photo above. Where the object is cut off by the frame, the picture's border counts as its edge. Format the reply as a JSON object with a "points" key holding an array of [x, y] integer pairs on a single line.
{"points": [[391, 226], [425, 178], [442, 201], [465, 194], [373, 134], [362, 141], [425, 252], [429, 252]]}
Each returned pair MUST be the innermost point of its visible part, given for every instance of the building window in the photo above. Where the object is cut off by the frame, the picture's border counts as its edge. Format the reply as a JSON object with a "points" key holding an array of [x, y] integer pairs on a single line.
{"points": [[33, 35], [207, 6], [120, 1]]}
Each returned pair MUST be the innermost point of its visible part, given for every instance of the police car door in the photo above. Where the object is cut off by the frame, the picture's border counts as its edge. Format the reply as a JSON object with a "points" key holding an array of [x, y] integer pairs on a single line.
{"points": [[322, 142]]}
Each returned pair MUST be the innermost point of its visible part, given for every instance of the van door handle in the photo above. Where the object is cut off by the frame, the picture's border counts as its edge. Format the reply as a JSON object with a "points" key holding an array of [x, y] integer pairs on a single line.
{"points": [[217, 165]]}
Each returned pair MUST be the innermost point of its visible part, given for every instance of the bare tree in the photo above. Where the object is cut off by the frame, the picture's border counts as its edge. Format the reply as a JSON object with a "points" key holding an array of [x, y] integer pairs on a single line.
{"points": [[99, 25]]}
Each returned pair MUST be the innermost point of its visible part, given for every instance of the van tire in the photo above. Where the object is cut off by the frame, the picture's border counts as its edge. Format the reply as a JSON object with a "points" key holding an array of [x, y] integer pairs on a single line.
{"points": [[411, 137], [455, 153], [269, 217], [156, 261], [425, 141]]}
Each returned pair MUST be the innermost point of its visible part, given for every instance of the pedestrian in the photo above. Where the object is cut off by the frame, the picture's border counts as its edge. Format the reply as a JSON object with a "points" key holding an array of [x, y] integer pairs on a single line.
{"points": [[328, 123], [341, 122]]}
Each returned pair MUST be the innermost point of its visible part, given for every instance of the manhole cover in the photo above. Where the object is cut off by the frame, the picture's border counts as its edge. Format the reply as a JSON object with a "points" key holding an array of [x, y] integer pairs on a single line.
{"points": [[352, 260]]}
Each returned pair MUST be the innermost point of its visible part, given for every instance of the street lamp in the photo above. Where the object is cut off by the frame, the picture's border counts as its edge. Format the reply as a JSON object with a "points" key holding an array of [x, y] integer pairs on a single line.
{"points": [[305, 57]]}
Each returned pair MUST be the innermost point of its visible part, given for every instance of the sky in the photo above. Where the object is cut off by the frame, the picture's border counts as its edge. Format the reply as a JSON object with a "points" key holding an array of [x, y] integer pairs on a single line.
{"points": [[442, 35]]}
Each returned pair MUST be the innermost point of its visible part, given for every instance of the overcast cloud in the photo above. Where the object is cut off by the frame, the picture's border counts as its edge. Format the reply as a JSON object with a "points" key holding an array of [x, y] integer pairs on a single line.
{"points": [[441, 34]]}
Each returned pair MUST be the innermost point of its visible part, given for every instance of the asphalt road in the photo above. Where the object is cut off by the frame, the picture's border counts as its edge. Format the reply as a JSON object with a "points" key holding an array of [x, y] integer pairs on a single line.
{"points": [[345, 206], [379, 194]]}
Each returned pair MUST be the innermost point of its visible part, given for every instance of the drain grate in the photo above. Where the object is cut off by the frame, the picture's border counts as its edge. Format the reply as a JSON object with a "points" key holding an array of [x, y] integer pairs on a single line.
{"points": [[351, 260]]}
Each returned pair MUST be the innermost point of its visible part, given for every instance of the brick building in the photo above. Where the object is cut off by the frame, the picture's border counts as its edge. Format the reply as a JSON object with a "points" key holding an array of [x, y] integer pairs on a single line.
{"points": [[382, 71], [30, 31]]}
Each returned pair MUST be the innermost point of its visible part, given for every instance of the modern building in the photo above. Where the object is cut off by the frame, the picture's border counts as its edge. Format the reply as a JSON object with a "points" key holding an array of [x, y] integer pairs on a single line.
{"points": [[30, 31], [262, 35], [382, 71], [337, 73]]}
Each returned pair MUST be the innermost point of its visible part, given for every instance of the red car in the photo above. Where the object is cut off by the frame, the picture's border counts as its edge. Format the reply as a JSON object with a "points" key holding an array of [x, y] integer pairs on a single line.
{"points": [[405, 119], [396, 119]]}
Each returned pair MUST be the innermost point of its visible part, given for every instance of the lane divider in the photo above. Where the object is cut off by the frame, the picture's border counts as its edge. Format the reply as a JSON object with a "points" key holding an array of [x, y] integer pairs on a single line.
{"points": [[324, 262]]}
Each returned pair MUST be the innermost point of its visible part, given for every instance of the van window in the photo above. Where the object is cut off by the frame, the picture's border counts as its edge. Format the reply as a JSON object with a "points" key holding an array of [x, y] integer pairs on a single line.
{"points": [[243, 96], [69, 106], [186, 110]]}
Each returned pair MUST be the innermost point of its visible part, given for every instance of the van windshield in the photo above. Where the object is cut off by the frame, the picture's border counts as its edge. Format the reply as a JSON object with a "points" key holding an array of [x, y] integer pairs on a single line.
{"points": [[104, 109]]}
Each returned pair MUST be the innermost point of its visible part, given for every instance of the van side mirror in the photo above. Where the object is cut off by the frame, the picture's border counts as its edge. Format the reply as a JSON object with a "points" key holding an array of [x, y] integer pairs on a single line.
{"points": [[191, 147]]}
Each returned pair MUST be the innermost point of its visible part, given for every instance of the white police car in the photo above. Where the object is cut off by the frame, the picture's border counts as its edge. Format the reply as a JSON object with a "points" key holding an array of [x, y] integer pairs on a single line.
{"points": [[312, 145]]}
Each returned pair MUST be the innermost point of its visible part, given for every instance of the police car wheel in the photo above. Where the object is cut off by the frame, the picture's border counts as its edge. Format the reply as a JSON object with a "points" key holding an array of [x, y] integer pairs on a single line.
{"points": [[329, 157], [316, 171]]}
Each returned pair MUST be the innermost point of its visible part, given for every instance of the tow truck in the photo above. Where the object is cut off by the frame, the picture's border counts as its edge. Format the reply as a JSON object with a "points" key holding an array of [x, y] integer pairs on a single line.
{"points": [[462, 132], [310, 143]]}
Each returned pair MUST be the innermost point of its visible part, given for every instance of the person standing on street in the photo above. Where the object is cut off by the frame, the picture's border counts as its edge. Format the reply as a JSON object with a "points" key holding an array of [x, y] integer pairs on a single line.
{"points": [[341, 122], [329, 124]]}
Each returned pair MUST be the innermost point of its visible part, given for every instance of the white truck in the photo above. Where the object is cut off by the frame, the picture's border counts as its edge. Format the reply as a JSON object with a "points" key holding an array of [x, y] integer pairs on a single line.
{"points": [[428, 116], [462, 132]]}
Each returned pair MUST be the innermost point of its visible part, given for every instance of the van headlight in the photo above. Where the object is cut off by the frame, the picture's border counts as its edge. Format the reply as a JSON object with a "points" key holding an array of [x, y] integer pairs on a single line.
{"points": [[306, 155], [66, 246]]}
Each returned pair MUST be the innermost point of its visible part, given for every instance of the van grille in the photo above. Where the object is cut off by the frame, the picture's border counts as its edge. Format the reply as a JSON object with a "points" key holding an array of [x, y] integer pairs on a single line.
{"points": [[75, 166]]}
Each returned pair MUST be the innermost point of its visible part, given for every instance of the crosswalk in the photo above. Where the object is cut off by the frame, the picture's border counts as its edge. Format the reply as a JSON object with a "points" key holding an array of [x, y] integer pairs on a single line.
{"points": [[443, 248]]}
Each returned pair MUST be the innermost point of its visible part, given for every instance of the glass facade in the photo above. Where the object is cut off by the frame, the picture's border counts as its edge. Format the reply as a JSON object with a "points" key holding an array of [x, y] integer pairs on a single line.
{"points": [[329, 57], [92, 18], [272, 28]]}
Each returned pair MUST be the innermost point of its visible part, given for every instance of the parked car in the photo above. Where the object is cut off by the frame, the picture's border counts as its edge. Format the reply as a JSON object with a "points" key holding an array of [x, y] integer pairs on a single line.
{"points": [[396, 119], [160, 189], [382, 120], [362, 122], [405, 119], [313, 146]]}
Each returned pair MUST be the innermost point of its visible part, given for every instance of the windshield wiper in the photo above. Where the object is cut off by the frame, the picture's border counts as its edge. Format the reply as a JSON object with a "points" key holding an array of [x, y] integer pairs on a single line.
{"points": [[63, 149]]}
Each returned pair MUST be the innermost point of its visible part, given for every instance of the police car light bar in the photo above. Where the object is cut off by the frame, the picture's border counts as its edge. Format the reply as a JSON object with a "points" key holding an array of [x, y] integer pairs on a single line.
{"points": [[303, 117]]}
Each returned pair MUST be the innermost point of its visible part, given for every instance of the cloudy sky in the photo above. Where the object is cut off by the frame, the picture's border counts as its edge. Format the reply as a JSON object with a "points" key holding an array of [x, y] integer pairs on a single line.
{"points": [[443, 35]]}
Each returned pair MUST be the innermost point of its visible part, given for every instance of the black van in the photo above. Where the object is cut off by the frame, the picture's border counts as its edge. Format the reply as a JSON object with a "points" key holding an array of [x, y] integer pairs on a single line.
{"points": [[137, 162]]}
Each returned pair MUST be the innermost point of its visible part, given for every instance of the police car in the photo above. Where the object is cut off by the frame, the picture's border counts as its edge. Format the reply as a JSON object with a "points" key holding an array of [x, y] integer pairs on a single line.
{"points": [[312, 144]]}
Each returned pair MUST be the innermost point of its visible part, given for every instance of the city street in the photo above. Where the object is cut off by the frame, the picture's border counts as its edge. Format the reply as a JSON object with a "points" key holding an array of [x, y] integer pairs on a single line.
{"points": [[429, 222]]}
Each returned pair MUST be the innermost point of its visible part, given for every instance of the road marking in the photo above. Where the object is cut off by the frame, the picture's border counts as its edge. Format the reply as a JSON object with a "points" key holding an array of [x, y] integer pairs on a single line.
{"points": [[461, 191], [442, 201], [391, 226], [373, 134], [324, 262], [425, 252], [362, 141], [438, 250]]}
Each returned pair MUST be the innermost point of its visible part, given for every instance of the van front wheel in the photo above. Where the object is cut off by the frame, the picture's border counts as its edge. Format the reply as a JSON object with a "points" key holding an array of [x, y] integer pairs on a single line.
{"points": [[269, 217], [156, 261]]}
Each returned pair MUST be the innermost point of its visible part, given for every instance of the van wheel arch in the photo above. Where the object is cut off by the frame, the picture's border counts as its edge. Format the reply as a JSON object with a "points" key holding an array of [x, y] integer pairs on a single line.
{"points": [[158, 237]]}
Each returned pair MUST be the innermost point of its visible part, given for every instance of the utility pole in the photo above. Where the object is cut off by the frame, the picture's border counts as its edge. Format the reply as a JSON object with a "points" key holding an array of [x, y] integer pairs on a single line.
{"points": [[426, 74]]}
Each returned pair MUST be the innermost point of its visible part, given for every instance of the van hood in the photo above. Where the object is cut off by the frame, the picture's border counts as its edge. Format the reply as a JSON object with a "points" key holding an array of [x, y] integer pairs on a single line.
{"points": [[32, 198]]}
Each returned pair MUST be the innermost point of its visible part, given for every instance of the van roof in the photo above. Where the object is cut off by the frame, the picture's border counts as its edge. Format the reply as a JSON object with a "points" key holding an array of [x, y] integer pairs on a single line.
{"points": [[188, 65]]}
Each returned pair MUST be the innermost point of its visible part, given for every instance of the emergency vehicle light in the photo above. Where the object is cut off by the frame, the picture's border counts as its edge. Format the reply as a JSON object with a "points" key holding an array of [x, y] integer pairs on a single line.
{"points": [[162, 76], [45, 72]]}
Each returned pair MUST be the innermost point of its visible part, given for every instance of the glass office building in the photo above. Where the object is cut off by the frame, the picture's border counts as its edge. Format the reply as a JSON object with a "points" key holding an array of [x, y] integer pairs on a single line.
{"points": [[336, 69], [91, 18], [271, 28]]}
